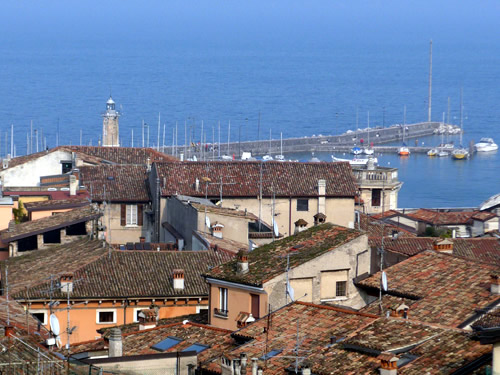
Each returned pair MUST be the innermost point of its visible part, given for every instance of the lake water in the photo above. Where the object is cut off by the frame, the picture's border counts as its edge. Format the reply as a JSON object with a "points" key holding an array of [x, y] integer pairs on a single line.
{"points": [[62, 87]]}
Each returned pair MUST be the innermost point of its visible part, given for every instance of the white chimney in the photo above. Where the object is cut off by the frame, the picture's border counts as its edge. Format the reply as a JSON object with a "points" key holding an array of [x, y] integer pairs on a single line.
{"points": [[237, 367], [115, 343], [147, 319], [242, 263], [66, 282], [197, 184], [495, 284], [178, 279], [321, 196], [254, 366], [181, 156], [306, 371], [73, 185]]}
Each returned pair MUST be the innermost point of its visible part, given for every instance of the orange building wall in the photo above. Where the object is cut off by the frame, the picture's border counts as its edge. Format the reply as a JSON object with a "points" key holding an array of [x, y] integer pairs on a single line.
{"points": [[35, 215], [84, 317], [238, 300], [6, 216]]}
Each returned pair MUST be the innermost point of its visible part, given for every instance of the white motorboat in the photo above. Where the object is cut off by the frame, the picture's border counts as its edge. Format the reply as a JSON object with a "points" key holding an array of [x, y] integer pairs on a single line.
{"points": [[267, 158], [432, 152], [486, 145], [227, 157], [368, 151], [443, 154], [279, 158], [356, 150]]}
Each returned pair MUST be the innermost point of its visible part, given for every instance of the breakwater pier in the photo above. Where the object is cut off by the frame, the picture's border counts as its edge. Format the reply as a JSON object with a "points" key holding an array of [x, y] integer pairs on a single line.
{"points": [[318, 143]]}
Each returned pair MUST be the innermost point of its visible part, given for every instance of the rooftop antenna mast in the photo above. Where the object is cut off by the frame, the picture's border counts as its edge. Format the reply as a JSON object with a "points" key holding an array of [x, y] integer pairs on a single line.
{"points": [[12, 140], [383, 280], [430, 83]]}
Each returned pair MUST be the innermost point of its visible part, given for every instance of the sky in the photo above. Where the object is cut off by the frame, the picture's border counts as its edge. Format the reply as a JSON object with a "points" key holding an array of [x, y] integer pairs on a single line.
{"points": [[224, 22]]}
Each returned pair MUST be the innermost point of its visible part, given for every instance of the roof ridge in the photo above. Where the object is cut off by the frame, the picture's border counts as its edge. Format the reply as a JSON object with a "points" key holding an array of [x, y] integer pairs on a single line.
{"points": [[339, 309]]}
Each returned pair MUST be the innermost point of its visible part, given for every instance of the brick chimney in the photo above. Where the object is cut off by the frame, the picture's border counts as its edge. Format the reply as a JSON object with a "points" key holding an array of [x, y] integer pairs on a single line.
{"points": [[178, 279], [388, 364], [319, 218], [242, 264], [9, 331], [443, 245], [66, 282], [147, 319], [494, 284], [115, 343]]}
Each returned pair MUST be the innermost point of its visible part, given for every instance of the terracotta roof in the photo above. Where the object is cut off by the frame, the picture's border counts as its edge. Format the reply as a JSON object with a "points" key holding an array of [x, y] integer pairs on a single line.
{"points": [[490, 320], [223, 244], [385, 214], [98, 155], [30, 228], [142, 342], [117, 183], [404, 245], [52, 204], [268, 261], [374, 226], [225, 211], [449, 218], [287, 179], [447, 289], [101, 273]]}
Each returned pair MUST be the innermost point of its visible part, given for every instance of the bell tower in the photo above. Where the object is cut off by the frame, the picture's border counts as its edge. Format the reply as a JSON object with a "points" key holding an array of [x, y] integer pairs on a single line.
{"points": [[110, 136]]}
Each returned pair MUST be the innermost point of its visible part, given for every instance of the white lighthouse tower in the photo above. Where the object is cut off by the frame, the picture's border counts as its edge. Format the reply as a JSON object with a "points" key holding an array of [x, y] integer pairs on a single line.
{"points": [[110, 135]]}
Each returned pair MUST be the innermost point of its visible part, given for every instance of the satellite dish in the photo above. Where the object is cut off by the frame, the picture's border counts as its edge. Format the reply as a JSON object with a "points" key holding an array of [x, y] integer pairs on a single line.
{"points": [[384, 281], [207, 222], [275, 227], [54, 325]]}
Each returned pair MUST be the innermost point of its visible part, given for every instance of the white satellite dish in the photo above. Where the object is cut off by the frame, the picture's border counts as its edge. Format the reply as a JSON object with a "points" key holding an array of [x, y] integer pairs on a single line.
{"points": [[275, 227], [207, 221], [384, 281], [54, 325]]}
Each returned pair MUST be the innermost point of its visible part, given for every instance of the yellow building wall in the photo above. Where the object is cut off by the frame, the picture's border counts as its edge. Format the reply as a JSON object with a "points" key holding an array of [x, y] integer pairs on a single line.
{"points": [[35, 215], [6, 216]]}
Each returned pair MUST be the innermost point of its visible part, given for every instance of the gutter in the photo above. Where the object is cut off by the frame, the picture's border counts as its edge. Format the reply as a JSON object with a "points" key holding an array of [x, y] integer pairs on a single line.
{"points": [[230, 284]]}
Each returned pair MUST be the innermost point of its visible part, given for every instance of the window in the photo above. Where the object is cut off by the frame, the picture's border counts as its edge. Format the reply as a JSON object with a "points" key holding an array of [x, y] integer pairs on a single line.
{"points": [[222, 310], [166, 344], [67, 166], [271, 354], [106, 316], [341, 289], [136, 313], [131, 214], [376, 193], [198, 348], [334, 284], [302, 204], [40, 315]]}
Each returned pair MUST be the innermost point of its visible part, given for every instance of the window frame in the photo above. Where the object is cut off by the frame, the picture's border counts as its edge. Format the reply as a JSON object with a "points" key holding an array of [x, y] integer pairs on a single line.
{"points": [[130, 210], [376, 199], [98, 311], [40, 311], [300, 208], [223, 292], [337, 295]]}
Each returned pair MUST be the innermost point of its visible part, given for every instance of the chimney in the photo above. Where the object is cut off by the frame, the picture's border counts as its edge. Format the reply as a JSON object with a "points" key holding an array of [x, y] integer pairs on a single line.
{"points": [[388, 364], [370, 165], [197, 184], [244, 359], [254, 366], [242, 264], [115, 343], [147, 319], [319, 218], [236, 367], [9, 331], [73, 185], [148, 164], [443, 245], [217, 230], [142, 239], [306, 371], [181, 156], [178, 279], [5, 163], [66, 282], [321, 196], [260, 372], [494, 284]]}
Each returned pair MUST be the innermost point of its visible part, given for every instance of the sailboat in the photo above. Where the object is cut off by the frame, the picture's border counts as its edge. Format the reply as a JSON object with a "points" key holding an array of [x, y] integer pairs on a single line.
{"points": [[368, 150], [435, 151], [460, 153], [280, 157], [404, 150], [268, 157]]}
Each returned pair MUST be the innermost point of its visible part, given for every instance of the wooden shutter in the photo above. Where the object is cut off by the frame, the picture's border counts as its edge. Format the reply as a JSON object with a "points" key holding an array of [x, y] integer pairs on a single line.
{"points": [[139, 214], [123, 215], [255, 308]]}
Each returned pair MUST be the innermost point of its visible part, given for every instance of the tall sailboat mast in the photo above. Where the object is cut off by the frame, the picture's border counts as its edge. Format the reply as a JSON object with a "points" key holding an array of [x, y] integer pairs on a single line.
{"points": [[430, 83]]}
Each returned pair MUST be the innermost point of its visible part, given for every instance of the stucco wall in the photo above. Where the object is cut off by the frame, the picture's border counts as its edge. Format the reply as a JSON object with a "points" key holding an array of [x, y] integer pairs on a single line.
{"points": [[164, 366], [5, 216], [35, 215], [183, 218], [235, 228], [353, 256], [121, 234], [28, 174]]}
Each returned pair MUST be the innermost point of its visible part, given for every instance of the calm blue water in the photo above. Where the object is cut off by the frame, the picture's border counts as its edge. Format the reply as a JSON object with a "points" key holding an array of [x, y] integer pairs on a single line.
{"points": [[299, 91]]}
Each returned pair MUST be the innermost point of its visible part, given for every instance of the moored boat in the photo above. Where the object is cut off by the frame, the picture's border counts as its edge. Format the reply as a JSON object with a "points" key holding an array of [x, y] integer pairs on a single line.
{"points": [[486, 145]]}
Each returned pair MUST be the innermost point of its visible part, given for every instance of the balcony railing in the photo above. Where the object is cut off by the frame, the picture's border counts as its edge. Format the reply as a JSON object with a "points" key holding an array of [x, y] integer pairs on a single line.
{"points": [[221, 313]]}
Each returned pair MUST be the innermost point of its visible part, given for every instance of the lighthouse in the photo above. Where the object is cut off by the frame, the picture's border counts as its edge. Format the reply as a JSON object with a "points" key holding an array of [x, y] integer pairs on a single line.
{"points": [[110, 137]]}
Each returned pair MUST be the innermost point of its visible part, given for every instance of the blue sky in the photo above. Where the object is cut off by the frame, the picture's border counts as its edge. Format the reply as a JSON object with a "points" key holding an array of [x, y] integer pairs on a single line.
{"points": [[238, 21]]}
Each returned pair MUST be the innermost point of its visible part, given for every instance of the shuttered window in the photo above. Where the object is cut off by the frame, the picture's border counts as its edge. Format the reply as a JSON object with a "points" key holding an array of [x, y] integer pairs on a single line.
{"points": [[334, 284], [131, 214]]}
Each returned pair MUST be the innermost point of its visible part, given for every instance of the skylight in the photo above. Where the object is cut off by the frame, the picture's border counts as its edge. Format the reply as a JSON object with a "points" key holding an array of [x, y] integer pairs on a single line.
{"points": [[271, 354], [166, 344], [198, 348]]}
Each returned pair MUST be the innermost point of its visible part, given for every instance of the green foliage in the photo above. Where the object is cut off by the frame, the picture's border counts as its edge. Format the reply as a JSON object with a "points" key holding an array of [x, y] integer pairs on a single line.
{"points": [[19, 215], [437, 232]]}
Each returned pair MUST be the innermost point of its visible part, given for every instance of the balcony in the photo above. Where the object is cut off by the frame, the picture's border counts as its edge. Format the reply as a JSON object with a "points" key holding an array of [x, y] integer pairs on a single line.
{"points": [[219, 313]]}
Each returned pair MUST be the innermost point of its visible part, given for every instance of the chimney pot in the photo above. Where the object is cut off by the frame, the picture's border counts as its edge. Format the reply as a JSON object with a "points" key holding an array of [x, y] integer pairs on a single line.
{"points": [[242, 264], [9, 331], [115, 343], [254, 366], [388, 363], [243, 358], [66, 282], [73, 185], [260, 371], [142, 239], [306, 371], [178, 278]]}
